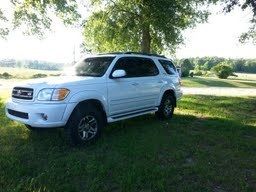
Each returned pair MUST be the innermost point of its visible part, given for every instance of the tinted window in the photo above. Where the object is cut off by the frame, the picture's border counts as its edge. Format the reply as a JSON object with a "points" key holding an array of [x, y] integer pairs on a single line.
{"points": [[94, 66], [168, 67], [137, 67]]}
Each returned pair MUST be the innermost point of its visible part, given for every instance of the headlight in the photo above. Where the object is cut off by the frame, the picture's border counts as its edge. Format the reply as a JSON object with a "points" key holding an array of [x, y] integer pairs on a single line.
{"points": [[52, 94]]}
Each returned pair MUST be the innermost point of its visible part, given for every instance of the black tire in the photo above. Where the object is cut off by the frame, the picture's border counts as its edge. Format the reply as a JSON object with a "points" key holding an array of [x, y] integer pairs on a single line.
{"points": [[162, 112], [81, 124], [31, 128]]}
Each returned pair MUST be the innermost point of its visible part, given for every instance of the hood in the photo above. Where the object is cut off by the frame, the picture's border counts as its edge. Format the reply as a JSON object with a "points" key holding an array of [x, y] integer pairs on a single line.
{"points": [[58, 82]]}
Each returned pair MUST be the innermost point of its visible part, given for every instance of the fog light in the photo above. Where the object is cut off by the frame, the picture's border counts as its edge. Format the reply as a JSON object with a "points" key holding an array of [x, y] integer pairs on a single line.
{"points": [[44, 116]]}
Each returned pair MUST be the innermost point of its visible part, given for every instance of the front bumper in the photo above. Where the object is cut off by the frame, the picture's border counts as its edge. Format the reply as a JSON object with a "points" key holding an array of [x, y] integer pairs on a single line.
{"points": [[34, 114]]}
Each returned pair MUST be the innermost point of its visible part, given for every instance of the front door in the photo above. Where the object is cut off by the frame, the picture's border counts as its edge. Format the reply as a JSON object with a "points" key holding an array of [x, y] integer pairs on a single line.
{"points": [[138, 90]]}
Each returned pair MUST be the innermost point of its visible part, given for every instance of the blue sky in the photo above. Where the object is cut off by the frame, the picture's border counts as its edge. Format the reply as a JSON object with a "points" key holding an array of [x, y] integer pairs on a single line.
{"points": [[218, 37]]}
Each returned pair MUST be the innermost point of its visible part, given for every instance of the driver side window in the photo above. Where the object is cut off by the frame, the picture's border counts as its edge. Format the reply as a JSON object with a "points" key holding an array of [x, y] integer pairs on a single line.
{"points": [[137, 67], [127, 64]]}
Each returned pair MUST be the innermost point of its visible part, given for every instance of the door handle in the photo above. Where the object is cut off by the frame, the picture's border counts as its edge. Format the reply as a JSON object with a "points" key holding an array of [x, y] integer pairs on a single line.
{"points": [[135, 84]]}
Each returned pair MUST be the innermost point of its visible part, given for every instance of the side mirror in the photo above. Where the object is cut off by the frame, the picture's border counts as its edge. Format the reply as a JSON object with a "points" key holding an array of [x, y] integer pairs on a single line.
{"points": [[118, 73]]}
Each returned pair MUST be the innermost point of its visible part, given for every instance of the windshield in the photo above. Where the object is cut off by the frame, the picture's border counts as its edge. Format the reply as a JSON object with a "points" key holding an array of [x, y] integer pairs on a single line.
{"points": [[93, 66]]}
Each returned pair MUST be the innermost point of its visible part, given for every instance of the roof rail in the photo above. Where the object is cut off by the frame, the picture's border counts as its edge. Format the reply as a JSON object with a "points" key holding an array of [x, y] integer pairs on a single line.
{"points": [[147, 54], [136, 53]]}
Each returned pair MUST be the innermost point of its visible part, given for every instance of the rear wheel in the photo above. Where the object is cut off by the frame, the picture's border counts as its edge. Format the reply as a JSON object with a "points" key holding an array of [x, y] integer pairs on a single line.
{"points": [[84, 125], [166, 107]]}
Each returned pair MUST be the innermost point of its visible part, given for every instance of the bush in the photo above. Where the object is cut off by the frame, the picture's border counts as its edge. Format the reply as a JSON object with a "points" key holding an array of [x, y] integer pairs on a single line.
{"points": [[5, 75], [191, 74], [222, 70], [39, 75], [198, 73], [186, 66]]}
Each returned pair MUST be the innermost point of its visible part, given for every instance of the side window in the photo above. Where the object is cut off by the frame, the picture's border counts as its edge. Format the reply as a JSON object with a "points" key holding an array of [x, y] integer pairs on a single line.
{"points": [[137, 67], [147, 67], [129, 65], [168, 67]]}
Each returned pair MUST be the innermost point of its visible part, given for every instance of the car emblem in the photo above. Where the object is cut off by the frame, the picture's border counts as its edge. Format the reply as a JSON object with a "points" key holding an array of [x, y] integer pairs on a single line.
{"points": [[19, 92]]}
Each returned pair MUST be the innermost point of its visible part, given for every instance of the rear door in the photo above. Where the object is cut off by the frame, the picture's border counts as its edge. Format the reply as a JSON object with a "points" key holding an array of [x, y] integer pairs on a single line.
{"points": [[149, 83], [171, 72]]}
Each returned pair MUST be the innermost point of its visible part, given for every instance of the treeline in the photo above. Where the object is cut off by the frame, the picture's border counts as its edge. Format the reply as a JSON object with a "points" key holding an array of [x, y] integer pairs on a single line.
{"points": [[207, 63], [31, 64]]}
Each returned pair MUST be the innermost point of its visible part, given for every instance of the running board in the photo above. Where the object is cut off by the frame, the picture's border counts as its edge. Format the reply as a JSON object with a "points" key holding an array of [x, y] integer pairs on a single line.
{"points": [[130, 115]]}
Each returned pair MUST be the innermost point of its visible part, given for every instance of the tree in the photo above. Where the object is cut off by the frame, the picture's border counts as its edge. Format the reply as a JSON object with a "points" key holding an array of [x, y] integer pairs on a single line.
{"points": [[3, 30], [33, 17], [244, 4], [186, 66], [222, 70], [141, 25]]}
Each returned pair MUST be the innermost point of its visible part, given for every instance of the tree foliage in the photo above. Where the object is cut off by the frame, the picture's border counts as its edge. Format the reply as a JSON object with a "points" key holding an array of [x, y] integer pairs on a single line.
{"points": [[244, 5], [31, 64], [3, 29], [140, 25], [120, 25], [34, 17], [222, 70], [186, 66], [207, 63]]}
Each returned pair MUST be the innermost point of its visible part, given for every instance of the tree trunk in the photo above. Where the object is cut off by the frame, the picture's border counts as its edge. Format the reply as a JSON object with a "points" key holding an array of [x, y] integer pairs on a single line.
{"points": [[146, 39]]}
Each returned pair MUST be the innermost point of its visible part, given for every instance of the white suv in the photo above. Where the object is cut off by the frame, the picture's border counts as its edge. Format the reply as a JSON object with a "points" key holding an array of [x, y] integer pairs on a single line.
{"points": [[98, 90]]}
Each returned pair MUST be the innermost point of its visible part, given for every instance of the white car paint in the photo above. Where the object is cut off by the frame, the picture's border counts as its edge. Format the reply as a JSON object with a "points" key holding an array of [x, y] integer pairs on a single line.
{"points": [[117, 96]]}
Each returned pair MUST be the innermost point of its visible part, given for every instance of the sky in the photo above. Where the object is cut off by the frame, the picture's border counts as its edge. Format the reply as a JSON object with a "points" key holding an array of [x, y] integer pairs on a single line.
{"points": [[218, 37]]}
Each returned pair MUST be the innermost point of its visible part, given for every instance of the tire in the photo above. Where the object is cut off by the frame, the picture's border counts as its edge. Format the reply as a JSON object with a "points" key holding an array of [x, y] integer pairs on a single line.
{"points": [[166, 107], [84, 125], [31, 128], [34, 128]]}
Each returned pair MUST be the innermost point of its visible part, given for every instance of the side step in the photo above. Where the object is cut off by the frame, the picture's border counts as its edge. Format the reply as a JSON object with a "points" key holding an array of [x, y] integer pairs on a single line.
{"points": [[130, 115]]}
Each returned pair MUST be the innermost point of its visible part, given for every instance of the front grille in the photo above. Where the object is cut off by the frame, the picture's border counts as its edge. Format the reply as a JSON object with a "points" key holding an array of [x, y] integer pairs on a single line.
{"points": [[22, 93], [18, 114]]}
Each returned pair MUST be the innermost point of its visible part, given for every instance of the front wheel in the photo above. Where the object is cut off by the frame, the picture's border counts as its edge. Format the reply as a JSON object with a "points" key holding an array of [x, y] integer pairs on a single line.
{"points": [[31, 128], [84, 125], [166, 107]]}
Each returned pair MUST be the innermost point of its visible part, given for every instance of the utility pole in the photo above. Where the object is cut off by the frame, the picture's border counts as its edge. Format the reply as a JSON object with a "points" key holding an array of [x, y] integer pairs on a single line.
{"points": [[74, 54]]}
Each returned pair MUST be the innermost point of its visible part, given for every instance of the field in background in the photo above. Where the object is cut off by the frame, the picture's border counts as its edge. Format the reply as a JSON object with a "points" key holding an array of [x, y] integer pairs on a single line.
{"points": [[209, 145], [244, 80], [23, 73]]}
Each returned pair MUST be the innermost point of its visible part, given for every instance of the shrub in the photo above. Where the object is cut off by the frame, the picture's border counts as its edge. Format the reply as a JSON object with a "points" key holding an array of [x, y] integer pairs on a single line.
{"points": [[39, 75], [191, 74], [6, 75], [198, 73], [222, 70]]}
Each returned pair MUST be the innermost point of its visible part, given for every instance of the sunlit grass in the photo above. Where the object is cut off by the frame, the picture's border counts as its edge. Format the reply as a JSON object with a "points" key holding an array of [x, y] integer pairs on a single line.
{"points": [[23, 73], [242, 81]]}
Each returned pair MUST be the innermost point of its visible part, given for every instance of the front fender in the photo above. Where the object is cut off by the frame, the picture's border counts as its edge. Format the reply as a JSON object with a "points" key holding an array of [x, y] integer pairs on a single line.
{"points": [[83, 96]]}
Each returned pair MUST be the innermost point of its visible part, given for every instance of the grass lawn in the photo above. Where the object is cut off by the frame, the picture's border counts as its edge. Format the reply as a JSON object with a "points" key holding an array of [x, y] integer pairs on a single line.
{"points": [[242, 81], [23, 73], [209, 145]]}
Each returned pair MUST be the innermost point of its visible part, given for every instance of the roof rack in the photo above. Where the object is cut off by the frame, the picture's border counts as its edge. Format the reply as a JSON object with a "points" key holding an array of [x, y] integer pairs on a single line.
{"points": [[136, 53]]}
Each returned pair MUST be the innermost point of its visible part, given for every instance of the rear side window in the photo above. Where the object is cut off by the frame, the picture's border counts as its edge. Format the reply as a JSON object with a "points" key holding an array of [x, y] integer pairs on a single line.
{"points": [[168, 67], [137, 67]]}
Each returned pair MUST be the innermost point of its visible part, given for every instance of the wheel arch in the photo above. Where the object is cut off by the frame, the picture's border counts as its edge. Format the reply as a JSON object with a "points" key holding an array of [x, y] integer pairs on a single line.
{"points": [[170, 92], [94, 102]]}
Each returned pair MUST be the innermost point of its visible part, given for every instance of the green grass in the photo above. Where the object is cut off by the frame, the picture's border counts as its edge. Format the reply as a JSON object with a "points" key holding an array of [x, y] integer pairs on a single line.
{"points": [[209, 145], [23, 73], [215, 82]]}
